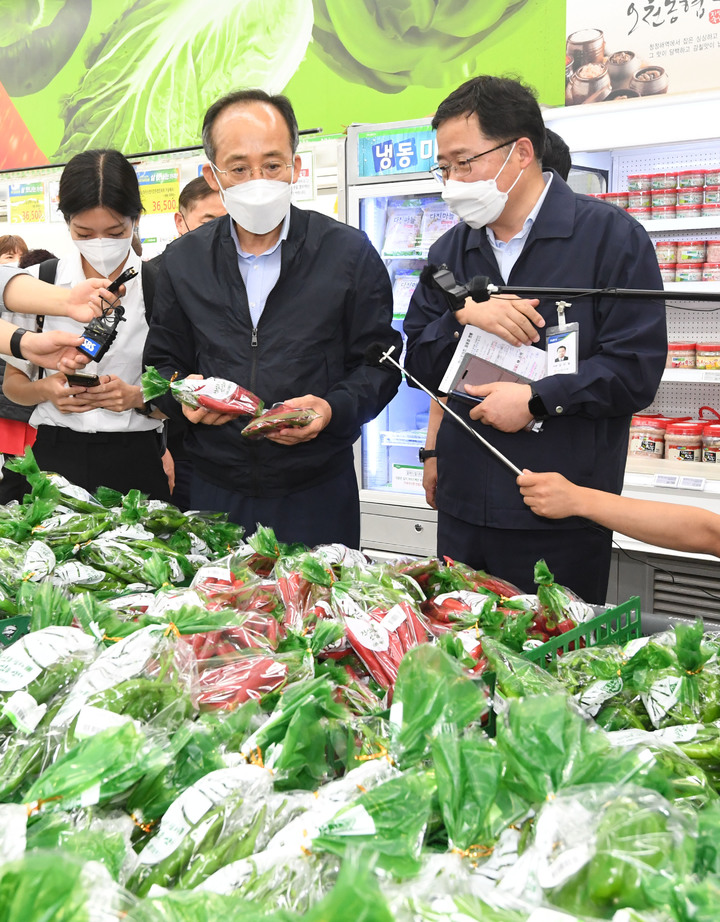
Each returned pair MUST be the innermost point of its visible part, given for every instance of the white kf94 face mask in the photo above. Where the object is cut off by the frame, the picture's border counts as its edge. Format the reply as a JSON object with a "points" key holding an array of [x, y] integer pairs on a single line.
{"points": [[259, 205], [478, 203], [104, 254]]}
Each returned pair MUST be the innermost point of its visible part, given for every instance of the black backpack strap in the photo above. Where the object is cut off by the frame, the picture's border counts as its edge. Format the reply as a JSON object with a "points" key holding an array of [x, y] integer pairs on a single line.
{"points": [[148, 274], [48, 270]]}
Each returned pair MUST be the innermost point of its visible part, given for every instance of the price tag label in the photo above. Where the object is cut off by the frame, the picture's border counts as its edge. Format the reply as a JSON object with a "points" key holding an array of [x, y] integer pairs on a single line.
{"points": [[711, 376], [27, 203], [692, 483], [159, 190], [667, 481]]}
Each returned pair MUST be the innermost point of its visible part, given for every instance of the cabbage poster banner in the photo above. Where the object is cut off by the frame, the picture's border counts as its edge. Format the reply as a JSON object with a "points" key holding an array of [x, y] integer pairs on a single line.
{"points": [[623, 49], [138, 75]]}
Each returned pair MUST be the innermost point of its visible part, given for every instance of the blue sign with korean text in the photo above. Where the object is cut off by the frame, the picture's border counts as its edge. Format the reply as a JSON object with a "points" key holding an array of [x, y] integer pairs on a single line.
{"points": [[393, 151]]}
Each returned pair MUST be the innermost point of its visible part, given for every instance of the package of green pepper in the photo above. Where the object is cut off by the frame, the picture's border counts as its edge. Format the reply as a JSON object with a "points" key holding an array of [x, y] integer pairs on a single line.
{"points": [[220, 809], [41, 665]]}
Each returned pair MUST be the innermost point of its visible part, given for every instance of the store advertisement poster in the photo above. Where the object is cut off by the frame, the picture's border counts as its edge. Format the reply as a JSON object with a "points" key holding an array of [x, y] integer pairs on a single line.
{"points": [[305, 188], [630, 48], [159, 190], [27, 203], [127, 74]]}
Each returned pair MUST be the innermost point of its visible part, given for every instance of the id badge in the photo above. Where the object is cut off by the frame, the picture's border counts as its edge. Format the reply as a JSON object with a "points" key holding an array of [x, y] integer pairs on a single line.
{"points": [[562, 349]]}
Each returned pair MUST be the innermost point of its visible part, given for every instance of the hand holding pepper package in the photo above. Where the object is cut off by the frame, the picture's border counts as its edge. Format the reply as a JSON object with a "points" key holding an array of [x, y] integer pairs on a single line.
{"points": [[279, 416], [216, 394]]}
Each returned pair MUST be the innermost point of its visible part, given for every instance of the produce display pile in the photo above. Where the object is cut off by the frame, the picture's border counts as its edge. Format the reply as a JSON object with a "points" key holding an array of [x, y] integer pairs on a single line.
{"points": [[197, 726]]}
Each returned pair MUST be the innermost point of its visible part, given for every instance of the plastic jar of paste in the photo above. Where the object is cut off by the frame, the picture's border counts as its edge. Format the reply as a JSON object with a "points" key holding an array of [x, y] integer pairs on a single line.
{"points": [[640, 198], [711, 443], [663, 180], [707, 355], [688, 178], [712, 252], [711, 272], [639, 181], [680, 355], [641, 214], [647, 436], [712, 195], [664, 197], [711, 210], [690, 195], [712, 176], [690, 211], [688, 272], [668, 271], [683, 441], [618, 198], [663, 211], [666, 251], [691, 251]]}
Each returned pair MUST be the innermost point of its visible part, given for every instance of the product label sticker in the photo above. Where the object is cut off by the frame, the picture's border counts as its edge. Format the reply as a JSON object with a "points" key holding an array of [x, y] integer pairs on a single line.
{"points": [[592, 698], [562, 349], [353, 822], [24, 711], [90, 796], [394, 618], [92, 720], [663, 695], [368, 634]]}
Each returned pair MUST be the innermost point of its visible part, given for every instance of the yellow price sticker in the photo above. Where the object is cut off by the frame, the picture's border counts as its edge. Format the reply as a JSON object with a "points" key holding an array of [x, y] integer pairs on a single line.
{"points": [[27, 211], [160, 198]]}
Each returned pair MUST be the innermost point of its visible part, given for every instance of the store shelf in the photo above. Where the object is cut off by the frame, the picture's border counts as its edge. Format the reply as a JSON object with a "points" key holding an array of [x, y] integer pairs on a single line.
{"points": [[692, 375], [678, 288], [643, 472], [681, 225]]}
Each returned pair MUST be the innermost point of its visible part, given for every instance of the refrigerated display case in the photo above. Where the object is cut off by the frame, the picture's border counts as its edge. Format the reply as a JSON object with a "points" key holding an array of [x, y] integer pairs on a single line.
{"points": [[392, 196]]}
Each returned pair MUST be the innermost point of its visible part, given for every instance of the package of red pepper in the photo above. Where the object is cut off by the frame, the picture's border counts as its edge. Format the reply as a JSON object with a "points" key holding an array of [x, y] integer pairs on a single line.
{"points": [[250, 675], [216, 394], [279, 416], [384, 637]]}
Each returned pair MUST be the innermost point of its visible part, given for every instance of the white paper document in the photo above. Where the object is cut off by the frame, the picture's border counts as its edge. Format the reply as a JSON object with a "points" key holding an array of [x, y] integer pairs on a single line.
{"points": [[519, 363]]}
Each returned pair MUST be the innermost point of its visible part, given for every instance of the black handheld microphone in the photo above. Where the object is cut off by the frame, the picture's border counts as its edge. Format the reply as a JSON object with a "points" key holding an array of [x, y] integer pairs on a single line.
{"points": [[378, 354]]}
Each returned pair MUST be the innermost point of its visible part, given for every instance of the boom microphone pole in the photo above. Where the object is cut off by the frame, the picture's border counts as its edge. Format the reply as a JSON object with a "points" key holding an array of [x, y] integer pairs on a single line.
{"points": [[378, 354], [480, 289]]}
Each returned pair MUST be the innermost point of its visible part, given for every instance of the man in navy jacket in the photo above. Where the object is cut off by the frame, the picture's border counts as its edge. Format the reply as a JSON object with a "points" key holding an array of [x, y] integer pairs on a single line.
{"points": [[522, 227], [285, 303]]}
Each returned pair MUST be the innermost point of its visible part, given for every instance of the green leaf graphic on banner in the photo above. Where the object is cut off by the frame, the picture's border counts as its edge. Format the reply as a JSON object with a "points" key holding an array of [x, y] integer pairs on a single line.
{"points": [[36, 47], [156, 70], [426, 42]]}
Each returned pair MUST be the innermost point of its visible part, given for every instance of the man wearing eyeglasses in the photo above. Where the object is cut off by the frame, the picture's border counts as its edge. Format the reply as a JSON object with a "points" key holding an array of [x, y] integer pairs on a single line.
{"points": [[285, 303], [522, 226]]}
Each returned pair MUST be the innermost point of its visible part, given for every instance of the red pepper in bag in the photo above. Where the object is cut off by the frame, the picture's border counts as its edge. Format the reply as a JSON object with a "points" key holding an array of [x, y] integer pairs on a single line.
{"points": [[216, 394], [228, 686]]}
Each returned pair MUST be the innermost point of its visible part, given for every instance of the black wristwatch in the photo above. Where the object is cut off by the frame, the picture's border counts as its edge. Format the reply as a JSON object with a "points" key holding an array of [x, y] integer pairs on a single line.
{"points": [[426, 453], [15, 343], [146, 409], [537, 408]]}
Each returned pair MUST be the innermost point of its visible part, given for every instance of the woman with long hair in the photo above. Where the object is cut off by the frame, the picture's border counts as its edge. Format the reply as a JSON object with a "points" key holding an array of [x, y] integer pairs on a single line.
{"points": [[98, 435]]}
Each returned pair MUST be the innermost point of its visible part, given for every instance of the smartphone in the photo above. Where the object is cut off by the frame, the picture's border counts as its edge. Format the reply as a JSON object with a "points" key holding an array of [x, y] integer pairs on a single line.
{"points": [[121, 279], [80, 380]]}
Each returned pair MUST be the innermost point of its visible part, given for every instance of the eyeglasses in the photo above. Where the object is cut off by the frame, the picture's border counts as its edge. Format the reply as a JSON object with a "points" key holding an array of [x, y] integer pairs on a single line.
{"points": [[271, 169], [442, 171]]}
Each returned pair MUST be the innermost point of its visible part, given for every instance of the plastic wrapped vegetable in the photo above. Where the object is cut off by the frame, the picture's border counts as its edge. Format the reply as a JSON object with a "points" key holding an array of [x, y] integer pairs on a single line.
{"points": [[432, 691], [38, 667], [279, 416], [100, 769], [214, 394], [391, 821], [222, 804], [599, 849], [476, 805], [53, 885]]}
